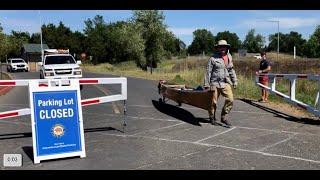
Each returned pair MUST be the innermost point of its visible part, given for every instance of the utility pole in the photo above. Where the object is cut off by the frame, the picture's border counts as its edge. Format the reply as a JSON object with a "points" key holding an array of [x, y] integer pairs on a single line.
{"points": [[278, 41], [151, 66], [278, 36], [41, 37]]}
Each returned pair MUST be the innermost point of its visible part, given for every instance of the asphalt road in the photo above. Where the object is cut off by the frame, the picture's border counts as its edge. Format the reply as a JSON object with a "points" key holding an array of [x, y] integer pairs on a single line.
{"points": [[168, 136]]}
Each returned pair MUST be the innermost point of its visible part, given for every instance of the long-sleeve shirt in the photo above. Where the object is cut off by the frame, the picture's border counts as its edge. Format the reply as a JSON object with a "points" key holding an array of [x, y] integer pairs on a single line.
{"points": [[218, 74]]}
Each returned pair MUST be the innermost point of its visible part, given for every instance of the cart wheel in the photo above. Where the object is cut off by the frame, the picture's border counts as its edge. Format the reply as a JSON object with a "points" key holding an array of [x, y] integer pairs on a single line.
{"points": [[164, 100]]}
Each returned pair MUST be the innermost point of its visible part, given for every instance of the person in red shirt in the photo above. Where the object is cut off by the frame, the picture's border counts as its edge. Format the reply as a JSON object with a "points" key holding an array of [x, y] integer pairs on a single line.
{"points": [[265, 68]]}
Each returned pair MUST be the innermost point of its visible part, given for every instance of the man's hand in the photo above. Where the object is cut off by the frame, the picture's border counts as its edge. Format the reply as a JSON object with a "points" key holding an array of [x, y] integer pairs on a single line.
{"points": [[235, 85]]}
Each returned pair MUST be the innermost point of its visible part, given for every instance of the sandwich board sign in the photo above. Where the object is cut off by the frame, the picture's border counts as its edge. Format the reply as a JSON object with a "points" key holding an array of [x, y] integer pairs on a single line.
{"points": [[56, 119]]}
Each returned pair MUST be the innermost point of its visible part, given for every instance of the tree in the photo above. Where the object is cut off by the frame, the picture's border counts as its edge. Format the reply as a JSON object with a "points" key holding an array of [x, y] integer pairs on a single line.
{"points": [[171, 44], [23, 36], [253, 43], [124, 43], [35, 38], [287, 42], [152, 27], [4, 46], [77, 42], [16, 39], [56, 37], [96, 33], [312, 47], [231, 38], [295, 39], [203, 41], [61, 37]]}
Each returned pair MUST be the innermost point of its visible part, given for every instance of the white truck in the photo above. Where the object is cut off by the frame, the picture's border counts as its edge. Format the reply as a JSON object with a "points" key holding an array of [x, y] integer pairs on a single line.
{"points": [[17, 64], [59, 64]]}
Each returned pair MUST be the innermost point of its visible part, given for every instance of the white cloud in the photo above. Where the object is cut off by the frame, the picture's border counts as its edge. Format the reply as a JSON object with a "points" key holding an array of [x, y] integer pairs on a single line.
{"points": [[296, 22], [187, 31], [284, 22]]}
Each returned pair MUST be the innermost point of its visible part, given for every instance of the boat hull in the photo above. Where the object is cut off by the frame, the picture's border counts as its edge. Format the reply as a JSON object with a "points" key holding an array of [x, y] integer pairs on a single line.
{"points": [[181, 94]]}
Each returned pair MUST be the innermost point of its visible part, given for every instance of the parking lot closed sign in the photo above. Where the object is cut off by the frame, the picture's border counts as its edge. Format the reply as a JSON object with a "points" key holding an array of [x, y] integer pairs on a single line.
{"points": [[58, 126]]}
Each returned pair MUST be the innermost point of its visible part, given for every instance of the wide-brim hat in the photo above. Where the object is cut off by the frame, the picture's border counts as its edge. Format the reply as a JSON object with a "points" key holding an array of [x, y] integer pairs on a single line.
{"points": [[223, 43]]}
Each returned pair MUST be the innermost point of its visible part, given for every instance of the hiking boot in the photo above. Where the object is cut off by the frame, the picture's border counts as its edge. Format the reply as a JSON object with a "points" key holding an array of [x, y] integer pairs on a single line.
{"points": [[225, 121], [213, 120]]}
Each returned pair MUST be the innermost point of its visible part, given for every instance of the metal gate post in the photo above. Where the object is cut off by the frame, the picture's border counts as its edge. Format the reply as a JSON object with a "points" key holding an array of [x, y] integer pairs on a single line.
{"points": [[124, 124], [293, 88], [273, 83], [317, 103]]}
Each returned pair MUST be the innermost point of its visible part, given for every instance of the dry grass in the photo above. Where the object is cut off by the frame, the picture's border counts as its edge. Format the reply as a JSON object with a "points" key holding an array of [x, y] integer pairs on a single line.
{"points": [[190, 71]]}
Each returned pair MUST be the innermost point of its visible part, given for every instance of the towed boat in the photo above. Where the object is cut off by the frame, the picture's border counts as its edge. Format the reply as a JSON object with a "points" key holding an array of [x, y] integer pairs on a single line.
{"points": [[182, 94]]}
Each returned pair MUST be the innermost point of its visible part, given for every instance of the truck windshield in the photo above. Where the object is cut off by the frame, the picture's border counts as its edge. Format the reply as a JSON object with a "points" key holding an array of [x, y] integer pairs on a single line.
{"points": [[17, 61], [59, 60]]}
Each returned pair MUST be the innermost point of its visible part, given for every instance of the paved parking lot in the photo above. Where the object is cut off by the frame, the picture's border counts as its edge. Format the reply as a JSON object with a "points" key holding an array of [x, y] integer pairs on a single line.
{"points": [[170, 137]]}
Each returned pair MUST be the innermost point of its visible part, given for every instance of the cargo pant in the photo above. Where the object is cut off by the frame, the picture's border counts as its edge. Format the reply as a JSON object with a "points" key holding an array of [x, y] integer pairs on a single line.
{"points": [[228, 104]]}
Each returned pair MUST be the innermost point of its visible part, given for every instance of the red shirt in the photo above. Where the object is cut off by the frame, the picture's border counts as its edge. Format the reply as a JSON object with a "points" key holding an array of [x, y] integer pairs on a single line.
{"points": [[225, 59]]}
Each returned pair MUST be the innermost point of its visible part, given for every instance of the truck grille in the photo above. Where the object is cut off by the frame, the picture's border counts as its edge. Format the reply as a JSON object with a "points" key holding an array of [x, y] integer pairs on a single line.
{"points": [[20, 65], [63, 71]]}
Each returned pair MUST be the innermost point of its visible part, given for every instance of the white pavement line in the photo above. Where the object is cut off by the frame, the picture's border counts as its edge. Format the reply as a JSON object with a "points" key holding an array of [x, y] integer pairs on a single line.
{"points": [[183, 156], [277, 131], [197, 152], [153, 130], [133, 117], [14, 105], [279, 142], [252, 128], [172, 120], [12, 122], [220, 146], [155, 119], [143, 166], [114, 106], [215, 135], [290, 157], [246, 112]]}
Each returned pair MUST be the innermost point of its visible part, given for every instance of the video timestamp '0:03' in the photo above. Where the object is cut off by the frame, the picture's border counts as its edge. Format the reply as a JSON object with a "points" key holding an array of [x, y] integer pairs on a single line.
{"points": [[12, 159]]}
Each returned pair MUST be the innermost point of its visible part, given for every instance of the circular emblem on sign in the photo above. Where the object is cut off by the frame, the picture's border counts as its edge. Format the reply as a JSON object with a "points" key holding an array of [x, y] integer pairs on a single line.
{"points": [[58, 130]]}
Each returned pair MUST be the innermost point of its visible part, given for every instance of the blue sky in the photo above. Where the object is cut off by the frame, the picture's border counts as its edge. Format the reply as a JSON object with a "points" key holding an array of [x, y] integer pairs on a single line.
{"points": [[181, 22]]}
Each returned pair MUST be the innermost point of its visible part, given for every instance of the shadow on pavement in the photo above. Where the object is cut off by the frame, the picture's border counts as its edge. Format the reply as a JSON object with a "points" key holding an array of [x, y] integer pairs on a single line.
{"points": [[29, 151], [101, 129], [178, 113], [15, 135], [282, 115], [29, 134]]}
